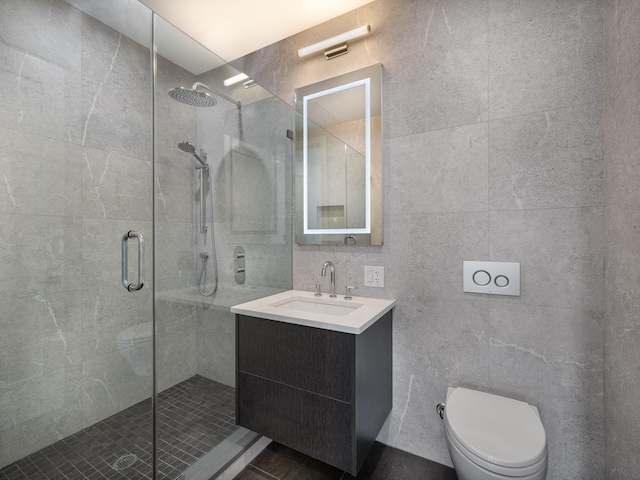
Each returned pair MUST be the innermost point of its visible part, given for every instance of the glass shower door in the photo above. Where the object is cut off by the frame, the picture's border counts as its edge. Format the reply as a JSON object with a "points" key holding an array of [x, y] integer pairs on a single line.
{"points": [[223, 237], [85, 166], [75, 168]]}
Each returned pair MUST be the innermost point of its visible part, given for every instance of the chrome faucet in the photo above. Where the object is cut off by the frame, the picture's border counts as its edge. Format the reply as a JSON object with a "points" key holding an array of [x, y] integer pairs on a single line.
{"points": [[333, 277]]}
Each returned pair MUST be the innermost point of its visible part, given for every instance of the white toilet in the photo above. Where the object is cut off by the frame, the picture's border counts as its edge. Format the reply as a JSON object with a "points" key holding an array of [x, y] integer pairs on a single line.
{"points": [[492, 437], [134, 344]]}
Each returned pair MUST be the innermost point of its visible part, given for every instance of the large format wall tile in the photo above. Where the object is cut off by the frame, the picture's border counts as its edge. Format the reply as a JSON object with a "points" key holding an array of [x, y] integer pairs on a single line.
{"points": [[176, 254], [440, 88], [39, 254], [531, 343], [116, 101], [38, 412], [440, 171], [52, 32], [574, 444], [216, 345], [413, 425], [41, 334], [560, 254], [622, 338], [456, 338], [547, 160], [40, 176], [176, 357], [621, 121], [109, 385], [115, 186], [622, 221], [176, 194], [419, 26], [503, 12], [430, 263], [39, 96], [547, 62], [454, 351], [108, 310], [21, 342]]}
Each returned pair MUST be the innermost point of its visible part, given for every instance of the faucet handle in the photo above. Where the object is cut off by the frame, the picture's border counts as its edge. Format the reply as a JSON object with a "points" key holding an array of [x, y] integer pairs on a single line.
{"points": [[347, 295], [317, 294]]}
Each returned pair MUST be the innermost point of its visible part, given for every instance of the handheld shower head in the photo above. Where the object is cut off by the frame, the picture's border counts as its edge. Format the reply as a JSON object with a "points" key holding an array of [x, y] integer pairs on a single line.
{"points": [[188, 148]]}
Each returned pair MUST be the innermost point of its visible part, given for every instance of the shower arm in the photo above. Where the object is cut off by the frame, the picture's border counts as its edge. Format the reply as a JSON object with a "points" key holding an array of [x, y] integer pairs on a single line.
{"points": [[206, 87]]}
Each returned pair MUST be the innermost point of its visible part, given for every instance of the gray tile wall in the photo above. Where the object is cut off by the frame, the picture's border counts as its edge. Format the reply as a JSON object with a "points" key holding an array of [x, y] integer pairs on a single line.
{"points": [[622, 200], [494, 151], [75, 143]]}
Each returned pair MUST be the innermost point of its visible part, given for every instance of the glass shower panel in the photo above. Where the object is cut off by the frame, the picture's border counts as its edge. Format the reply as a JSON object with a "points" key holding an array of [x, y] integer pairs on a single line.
{"points": [[223, 237], [75, 142], [77, 147]]}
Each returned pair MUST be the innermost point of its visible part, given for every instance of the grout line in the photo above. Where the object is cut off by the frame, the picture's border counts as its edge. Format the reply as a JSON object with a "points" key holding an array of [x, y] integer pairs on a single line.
{"points": [[546, 110], [528, 19]]}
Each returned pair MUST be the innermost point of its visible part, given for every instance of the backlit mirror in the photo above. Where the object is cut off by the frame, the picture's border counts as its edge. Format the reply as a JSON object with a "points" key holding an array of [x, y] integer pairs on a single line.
{"points": [[339, 160]]}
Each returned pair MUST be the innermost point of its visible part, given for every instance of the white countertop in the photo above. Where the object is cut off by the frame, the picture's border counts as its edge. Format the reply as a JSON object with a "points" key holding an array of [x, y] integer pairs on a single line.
{"points": [[357, 321]]}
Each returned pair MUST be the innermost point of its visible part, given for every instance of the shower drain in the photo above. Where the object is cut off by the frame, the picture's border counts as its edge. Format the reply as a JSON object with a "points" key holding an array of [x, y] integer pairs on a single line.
{"points": [[125, 461]]}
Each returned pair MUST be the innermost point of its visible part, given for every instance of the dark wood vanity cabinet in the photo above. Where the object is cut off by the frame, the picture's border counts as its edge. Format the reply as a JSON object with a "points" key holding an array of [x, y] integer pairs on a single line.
{"points": [[321, 392]]}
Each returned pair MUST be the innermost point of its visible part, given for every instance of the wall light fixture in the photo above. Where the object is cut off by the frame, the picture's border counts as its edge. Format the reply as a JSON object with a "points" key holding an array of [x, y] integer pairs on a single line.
{"points": [[235, 79], [335, 46]]}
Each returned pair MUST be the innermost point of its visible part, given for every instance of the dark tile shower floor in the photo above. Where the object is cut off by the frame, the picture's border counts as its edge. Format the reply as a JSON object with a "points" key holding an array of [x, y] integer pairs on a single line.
{"points": [[194, 416]]}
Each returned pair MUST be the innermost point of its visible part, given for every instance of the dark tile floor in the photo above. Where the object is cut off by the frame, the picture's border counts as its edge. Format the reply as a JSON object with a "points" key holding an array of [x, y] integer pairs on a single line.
{"points": [[278, 462], [194, 416]]}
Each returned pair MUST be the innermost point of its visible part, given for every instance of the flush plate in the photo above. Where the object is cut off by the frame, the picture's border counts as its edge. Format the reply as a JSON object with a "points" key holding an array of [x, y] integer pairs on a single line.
{"points": [[492, 278]]}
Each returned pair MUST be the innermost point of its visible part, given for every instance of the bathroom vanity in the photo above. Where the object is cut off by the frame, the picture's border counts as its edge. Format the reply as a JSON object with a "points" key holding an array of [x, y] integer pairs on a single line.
{"points": [[315, 373]]}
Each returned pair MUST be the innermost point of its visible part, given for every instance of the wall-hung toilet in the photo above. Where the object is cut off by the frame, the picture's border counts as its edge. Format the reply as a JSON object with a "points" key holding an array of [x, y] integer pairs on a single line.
{"points": [[492, 437], [134, 344]]}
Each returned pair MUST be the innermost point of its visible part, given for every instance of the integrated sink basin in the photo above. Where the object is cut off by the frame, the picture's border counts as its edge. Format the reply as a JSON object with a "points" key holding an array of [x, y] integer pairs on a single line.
{"points": [[317, 305], [303, 308]]}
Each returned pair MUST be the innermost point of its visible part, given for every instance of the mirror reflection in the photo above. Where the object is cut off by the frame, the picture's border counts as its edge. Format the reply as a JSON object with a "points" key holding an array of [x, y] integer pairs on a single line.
{"points": [[338, 160]]}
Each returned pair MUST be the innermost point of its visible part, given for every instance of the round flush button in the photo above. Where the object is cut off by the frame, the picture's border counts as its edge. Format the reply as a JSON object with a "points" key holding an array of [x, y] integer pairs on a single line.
{"points": [[481, 278], [501, 281]]}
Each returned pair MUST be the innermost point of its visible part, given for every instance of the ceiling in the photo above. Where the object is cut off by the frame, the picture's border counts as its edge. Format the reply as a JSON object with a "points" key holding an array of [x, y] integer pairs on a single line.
{"points": [[234, 28], [215, 24]]}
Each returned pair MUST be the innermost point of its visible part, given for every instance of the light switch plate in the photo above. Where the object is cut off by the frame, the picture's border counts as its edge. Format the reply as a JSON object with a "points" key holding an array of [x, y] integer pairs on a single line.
{"points": [[492, 278], [373, 276]]}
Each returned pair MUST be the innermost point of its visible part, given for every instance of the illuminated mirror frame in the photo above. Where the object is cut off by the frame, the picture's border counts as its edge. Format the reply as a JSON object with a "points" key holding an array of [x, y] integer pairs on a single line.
{"points": [[305, 187]]}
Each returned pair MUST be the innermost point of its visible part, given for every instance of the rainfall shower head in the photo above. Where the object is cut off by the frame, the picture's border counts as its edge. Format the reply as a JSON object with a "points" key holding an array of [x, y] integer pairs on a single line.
{"points": [[188, 148], [192, 97]]}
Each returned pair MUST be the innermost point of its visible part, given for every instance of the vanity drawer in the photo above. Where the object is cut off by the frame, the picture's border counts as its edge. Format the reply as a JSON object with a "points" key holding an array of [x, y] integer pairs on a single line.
{"points": [[312, 424], [312, 359]]}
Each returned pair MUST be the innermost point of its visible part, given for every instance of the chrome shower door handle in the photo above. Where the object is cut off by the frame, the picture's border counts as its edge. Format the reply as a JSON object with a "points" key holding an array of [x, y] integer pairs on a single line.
{"points": [[132, 287]]}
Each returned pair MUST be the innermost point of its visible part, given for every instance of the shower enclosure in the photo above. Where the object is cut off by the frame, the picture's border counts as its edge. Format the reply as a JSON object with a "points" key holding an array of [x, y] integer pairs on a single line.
{"points": [[106, 176]]}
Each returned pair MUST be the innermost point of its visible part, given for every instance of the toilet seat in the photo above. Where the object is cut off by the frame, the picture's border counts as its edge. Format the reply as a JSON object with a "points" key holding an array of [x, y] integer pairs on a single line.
{"points": [[499, 434]]}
